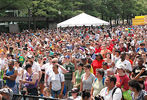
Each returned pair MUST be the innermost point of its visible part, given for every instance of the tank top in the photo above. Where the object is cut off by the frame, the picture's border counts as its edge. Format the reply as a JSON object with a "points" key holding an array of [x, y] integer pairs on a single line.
{"points": [[10, 83], [29, 78]]}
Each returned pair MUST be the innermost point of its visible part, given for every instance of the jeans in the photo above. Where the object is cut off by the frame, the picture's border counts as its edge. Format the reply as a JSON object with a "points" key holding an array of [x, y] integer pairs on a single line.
{"points": [[54, 93], [1, 84]]}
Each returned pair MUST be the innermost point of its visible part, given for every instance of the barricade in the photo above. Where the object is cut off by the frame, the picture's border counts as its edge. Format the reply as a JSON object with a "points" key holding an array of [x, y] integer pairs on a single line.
{"points": [[29, 97]]}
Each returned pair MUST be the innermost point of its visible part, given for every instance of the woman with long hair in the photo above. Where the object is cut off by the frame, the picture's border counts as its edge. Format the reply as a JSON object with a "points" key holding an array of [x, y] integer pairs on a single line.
{"points": [[137, 92]]}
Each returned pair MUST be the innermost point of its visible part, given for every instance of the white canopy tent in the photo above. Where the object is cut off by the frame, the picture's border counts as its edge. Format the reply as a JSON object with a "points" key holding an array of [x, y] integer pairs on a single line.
{"points": [[82, 19]]}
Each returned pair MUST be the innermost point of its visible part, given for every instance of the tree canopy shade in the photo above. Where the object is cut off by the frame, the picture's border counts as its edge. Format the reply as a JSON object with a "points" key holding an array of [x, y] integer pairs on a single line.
{"points": [[14, 4], [64, 9], [82, 19]]}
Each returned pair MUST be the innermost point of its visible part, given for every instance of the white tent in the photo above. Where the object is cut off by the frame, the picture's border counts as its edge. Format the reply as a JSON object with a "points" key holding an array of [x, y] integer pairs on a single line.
{"points": [[82, 19]]}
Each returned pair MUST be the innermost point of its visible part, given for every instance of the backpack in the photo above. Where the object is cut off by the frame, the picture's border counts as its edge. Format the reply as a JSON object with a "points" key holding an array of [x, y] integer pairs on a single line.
{"points": [[114, 92], [103, 80]]}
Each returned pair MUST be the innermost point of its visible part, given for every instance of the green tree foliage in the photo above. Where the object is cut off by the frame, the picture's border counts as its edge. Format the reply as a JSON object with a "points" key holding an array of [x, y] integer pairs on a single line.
{"points": [[107, 9], [13, 4]]}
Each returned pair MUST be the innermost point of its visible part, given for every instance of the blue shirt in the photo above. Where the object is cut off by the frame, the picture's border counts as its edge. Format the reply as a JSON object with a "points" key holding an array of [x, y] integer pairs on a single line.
{"points": [[10, 83]]}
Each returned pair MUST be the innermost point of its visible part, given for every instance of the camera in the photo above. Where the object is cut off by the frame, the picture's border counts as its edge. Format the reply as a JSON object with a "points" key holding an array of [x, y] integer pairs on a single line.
{"points": [[98, 97]]}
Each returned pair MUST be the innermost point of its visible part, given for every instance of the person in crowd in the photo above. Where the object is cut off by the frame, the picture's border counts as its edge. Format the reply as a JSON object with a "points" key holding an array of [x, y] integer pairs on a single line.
{"points": [[49, 69], [87, 79], [2, 68], [137, 92], [104, 50], [35, 65], [10, 75], [85, 95], [97, 63], [98, 83], [71, 68], [122, 82], [127, 64], [129, 59], [41, 61], [74, 94], [109, 72], [111, 92], [56, 83], [20, 71], [116, 57], [139, 72], [31, 80], [77, 75], [108, 59], [6, 94], [141, 48]]}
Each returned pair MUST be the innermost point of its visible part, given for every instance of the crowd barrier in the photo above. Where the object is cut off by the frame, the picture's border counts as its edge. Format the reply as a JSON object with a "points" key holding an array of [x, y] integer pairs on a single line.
{"points": [[29, 97]]}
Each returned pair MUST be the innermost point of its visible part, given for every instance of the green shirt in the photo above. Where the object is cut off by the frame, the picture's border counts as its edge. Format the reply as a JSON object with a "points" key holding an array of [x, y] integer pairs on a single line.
{"points": [[78, 76], [71, 68]]}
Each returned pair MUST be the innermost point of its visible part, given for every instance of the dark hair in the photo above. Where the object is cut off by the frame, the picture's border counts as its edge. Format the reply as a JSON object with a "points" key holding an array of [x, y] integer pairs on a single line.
{"points": [[99, 55], [117, 51], [101, 71], [123, 53], [80, 64], [135, 84], [112, 79], [109, 54], [11, 62], [85, 95], [87, 66], [105, 64], [28, 66], [89, 60], [141, 59]]}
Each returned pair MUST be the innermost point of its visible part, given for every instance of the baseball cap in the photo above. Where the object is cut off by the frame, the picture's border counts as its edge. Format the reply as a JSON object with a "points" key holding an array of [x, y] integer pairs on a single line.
{"points": [[75, 90]]}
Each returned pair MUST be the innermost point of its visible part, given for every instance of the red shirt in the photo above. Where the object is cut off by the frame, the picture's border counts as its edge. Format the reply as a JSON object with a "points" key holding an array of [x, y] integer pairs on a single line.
{"points": [[111, 47], [122, 81], [98, 50], [96, 65]]}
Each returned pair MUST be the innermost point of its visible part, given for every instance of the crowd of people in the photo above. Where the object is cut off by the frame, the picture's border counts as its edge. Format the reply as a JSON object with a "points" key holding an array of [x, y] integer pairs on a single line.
{"points": [[78, 63]]}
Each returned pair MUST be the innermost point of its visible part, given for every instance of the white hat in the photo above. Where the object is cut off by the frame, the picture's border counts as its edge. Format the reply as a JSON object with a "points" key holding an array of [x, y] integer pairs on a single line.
{"points": [[30, 56], [7, 91], [121, 66]]}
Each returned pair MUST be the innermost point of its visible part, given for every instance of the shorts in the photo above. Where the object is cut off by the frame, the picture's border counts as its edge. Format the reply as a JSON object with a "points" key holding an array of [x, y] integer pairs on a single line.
{"points": [[32, 91]]}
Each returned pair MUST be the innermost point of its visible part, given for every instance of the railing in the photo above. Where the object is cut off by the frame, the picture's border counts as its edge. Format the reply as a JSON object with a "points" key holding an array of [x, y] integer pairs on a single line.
{"points": [[29, 97]]}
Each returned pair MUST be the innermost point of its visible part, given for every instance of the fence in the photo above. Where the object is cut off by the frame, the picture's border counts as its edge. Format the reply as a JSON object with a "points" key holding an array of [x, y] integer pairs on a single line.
{"points": [[29, 97]]}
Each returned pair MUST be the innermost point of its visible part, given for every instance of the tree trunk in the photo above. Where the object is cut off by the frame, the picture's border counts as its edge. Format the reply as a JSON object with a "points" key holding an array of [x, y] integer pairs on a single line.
{"points": [[110, 21]]}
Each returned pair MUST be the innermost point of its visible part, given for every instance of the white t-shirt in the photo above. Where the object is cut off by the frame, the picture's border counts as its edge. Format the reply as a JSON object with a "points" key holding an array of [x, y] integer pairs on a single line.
{"points": [[19, 70], [49, 69], [115, 59], [108, 96], [126, 63], [77, 98], [56, 80], [2, 63], [36, 67]]}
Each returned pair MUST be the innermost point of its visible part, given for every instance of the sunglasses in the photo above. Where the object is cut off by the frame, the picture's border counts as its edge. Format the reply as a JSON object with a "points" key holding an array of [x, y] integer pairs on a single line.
{"points": [[53, 62]]}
